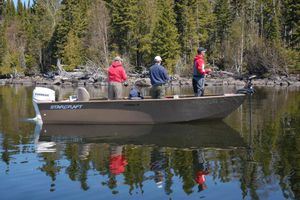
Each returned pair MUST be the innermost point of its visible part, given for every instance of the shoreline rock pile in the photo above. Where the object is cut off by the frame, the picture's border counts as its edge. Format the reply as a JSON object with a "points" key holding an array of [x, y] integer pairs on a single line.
{"points": [[284, 81]]}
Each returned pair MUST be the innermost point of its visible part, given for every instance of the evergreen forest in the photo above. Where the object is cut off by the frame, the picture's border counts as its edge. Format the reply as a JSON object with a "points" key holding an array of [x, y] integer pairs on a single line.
{"points": [[242, 36]]}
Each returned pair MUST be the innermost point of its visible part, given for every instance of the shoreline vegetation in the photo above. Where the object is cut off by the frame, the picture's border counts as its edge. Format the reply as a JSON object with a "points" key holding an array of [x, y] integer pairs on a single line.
{"points": [[214, 79], [257, 37]]}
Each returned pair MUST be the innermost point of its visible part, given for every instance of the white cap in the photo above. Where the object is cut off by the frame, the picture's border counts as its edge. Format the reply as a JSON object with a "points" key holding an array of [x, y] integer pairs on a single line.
{"points": [[118, 58], [157, 58]]}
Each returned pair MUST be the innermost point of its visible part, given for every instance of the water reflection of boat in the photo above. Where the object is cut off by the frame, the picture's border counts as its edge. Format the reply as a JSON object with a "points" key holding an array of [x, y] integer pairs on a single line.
{"points": [[211, 134]]}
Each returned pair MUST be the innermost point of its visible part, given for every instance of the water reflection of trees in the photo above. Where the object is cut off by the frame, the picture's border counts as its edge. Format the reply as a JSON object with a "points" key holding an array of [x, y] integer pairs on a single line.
{"points": [[273, 155], [274, 152], [51, 168], [151, 164], [274, 141], [14, 105], [289, 151]]}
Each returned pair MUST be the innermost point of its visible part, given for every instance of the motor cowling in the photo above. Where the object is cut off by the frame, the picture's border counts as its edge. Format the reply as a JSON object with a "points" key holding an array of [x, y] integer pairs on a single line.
{"points": [[41, 94]]}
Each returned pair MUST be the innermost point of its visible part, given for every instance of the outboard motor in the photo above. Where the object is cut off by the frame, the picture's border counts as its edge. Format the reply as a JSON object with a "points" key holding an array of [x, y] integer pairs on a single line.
{"points": [[248, 89], [41, 94]]}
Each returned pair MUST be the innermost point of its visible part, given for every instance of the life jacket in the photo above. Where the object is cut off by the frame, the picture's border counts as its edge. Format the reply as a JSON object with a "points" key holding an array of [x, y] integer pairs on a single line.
{"points": [[135, 94], [198, 68]]}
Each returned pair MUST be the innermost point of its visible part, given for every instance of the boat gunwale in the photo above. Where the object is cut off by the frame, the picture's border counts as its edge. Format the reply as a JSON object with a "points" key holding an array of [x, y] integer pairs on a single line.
{"points": [[168, 98]]}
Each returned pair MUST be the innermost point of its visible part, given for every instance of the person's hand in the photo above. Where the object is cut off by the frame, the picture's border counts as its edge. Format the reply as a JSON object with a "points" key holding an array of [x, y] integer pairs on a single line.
{"points": [[125, 83]]}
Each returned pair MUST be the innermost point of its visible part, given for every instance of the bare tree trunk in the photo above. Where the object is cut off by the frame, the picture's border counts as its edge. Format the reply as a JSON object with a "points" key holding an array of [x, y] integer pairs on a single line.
{"points": [[105, 41], [261, 20], [242, 42], [22, 57], [97, 40], [52, 7], [41, 59]]}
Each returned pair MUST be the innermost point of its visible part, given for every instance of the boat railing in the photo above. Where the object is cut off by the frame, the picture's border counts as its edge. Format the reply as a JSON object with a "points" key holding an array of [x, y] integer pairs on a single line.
{"points": [[182, 96]]}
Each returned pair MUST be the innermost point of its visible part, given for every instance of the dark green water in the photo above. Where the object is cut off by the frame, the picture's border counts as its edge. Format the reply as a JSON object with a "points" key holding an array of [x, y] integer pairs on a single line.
{"points": [[252, 154]]}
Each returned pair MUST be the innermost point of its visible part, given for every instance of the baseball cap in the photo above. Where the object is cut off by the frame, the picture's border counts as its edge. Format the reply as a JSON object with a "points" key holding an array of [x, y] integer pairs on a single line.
{"points": [[157, 58], [201, 49]]}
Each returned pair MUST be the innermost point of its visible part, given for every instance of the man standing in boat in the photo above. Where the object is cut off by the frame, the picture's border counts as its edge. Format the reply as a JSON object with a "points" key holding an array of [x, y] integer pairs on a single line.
{"points": [[199, 72], [159, 77], [116, 76]]}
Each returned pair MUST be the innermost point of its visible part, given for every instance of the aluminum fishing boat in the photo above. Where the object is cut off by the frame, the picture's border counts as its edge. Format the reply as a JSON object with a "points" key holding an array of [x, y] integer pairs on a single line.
{"points": [[172, 109], [181, 108]]}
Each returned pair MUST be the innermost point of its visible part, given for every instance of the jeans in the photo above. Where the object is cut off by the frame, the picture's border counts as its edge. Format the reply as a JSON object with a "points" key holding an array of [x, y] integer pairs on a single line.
{"points": [[115, 90], [198, 86]]}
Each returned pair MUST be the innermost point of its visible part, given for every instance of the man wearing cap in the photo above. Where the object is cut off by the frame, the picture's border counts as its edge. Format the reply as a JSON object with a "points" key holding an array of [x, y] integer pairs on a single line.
{"points": [[116, 76], [199, 72], [158, 77]]}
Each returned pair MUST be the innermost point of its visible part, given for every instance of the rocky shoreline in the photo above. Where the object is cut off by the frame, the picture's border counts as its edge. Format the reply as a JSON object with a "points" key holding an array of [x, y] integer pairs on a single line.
{"points": [[284, 81]]}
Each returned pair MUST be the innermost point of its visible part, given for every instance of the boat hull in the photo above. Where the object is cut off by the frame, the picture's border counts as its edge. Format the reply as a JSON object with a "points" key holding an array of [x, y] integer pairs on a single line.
{"points": [[147, 111]]}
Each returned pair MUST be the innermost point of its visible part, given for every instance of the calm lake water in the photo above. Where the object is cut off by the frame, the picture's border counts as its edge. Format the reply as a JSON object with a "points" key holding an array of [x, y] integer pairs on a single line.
{"points": [[252, 154]]}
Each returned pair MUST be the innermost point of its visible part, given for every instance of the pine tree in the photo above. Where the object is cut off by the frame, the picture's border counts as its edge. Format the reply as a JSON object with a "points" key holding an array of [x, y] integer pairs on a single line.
{"points": [[39, 31], [2, 31], [3, 45], [74, 20], [187, 25], [194, 21], [219, 36], [20, 8], [205, 21], [270, 21], [223, 19], [9, 9], [145, 25], [64, 26], [291, 23], [165, 35], [123, 25], [2, 4], [73, 51]]}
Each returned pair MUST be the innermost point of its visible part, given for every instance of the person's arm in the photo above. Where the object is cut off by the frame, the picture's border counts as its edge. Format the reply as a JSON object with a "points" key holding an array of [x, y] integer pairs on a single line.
{"points": [[167, 78], [124, 76], [200, 67]]}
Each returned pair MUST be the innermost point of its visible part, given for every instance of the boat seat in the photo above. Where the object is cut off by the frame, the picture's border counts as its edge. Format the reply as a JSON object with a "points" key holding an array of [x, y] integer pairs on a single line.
{"points": [[82, 94]]}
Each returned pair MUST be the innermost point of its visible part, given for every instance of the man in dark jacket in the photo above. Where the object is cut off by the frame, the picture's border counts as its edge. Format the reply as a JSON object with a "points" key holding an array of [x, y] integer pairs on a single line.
{"points": [[158, 77], [199, 72]]}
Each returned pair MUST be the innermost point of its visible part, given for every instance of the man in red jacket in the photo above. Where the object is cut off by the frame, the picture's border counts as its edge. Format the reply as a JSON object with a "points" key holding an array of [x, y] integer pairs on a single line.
{"points": [[199, 72], [116, 76]]}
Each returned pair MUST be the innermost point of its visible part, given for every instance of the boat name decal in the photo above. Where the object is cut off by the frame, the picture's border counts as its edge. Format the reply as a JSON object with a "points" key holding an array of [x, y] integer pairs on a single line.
{"points": [[65, 107], [42, 94]]}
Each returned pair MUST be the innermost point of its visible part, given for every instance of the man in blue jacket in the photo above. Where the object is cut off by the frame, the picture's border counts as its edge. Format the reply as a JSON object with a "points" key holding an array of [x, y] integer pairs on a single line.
{"points": [[158, 77]]}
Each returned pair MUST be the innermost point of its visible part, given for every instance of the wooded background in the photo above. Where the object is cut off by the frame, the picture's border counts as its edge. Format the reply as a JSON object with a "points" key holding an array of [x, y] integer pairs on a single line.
{"points": [[242, 36]]}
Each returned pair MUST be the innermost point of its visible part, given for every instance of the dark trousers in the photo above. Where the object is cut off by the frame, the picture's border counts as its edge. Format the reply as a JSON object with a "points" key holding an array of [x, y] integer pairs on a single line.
{"points": [[157, 91], [198, 86]]}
